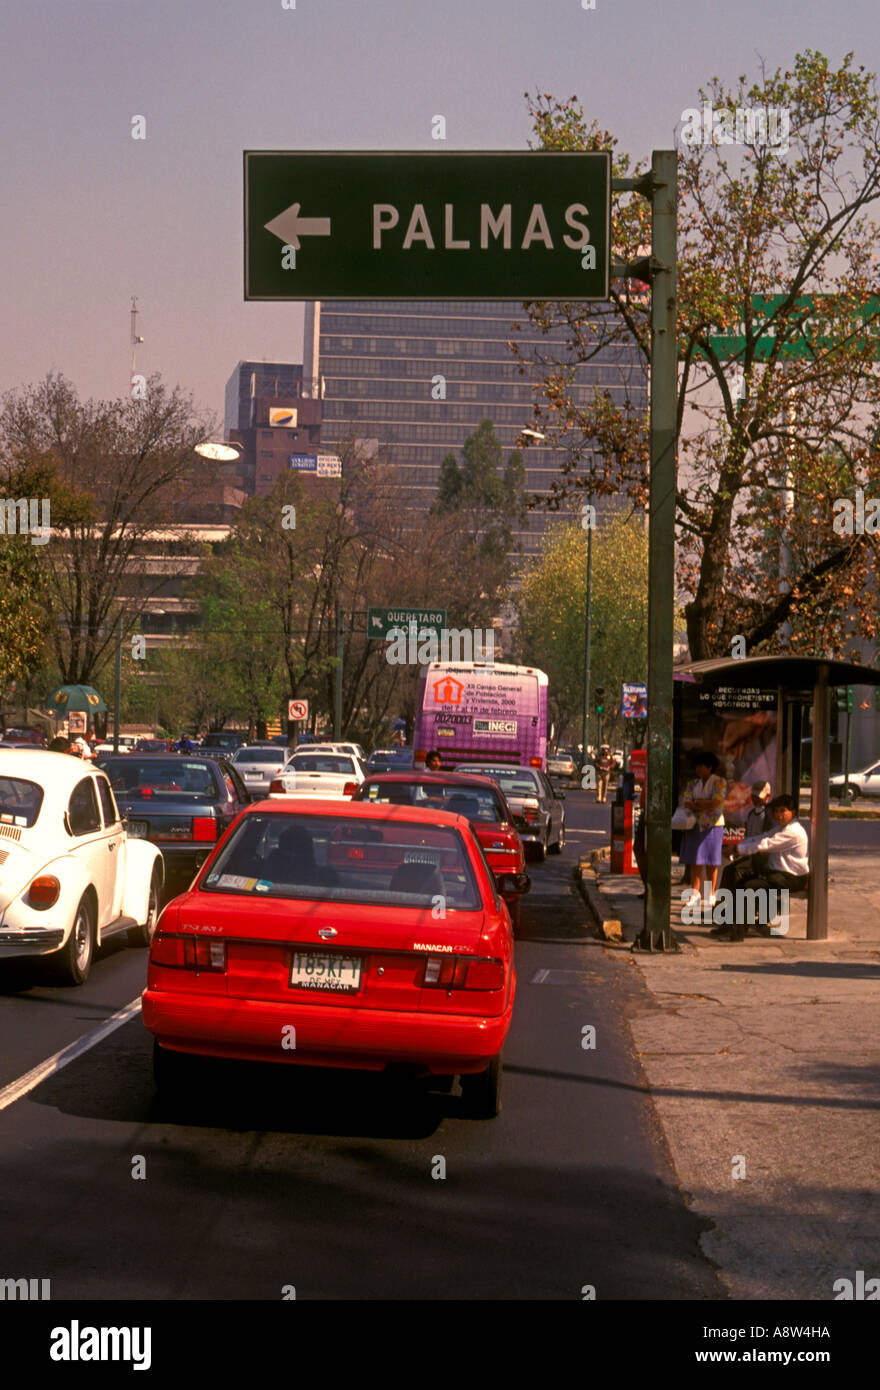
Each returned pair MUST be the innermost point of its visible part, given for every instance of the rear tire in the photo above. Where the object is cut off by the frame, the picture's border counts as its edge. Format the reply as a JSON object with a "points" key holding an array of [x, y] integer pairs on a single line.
{"points": [[143, 935], [481, 1091], [559, 846], [71, 965]]}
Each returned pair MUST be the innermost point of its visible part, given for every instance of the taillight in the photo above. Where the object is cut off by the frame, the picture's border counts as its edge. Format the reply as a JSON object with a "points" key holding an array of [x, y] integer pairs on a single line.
{"points": [[44, 891], [529, 813], [204, 955], [204, 828], [166, 950], [534, 762], [463, 972], [349, 789], [190, 953], [276, 785]]}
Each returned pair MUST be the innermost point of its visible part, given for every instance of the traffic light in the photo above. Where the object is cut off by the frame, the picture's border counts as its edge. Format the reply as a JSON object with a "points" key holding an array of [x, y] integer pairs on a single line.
{"points": [[600, 699], [844, 697]]}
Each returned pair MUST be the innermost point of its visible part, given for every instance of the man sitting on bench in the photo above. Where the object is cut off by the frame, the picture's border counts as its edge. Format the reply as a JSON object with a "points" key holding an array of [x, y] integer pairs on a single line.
{"points": [[788, 862]]}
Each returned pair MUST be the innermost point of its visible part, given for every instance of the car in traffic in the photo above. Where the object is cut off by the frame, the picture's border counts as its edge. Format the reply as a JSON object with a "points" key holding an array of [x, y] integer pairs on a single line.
{"points": [[395, 759], [481, 801], [370, 934], [181, 803], [315, 773], [865, 782], [561, 764], [223, 743], [258, 764], [153, 745], [534, 802], [70, 875]]}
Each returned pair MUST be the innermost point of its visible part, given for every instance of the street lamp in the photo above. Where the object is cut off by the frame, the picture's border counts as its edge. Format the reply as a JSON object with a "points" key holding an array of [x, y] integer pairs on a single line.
{"points": [[221, 450]]}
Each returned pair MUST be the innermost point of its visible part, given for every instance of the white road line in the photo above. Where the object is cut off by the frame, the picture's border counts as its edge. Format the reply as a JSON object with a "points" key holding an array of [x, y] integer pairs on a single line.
{"points": [[16, 1089], [584, 832]]}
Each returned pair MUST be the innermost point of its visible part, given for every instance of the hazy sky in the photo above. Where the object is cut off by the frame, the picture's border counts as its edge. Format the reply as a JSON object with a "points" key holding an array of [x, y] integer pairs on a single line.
{"points": [[91, 216]]}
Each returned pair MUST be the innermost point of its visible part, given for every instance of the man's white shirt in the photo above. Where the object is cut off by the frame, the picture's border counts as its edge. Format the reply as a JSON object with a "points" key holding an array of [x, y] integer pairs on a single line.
{"points": [[787, 848]]}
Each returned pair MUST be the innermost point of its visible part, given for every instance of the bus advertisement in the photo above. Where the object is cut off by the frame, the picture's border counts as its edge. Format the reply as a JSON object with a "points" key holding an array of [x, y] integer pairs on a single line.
{"points": [[468, 710]]}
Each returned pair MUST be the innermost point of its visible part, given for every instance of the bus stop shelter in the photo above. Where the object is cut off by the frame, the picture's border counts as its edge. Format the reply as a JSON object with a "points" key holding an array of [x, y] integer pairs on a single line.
{"points": [[800, 681]]}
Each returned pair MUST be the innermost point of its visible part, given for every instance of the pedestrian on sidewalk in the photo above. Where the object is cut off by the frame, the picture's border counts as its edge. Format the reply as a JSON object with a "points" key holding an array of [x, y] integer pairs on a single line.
{"points": [[701, 847], [605, 765], [788, 860], [759, 822]]}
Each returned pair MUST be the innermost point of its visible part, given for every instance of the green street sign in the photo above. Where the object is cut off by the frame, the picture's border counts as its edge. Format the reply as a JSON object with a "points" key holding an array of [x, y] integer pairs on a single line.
{"points": [[380, 621], [818, 332], [367, 225]]}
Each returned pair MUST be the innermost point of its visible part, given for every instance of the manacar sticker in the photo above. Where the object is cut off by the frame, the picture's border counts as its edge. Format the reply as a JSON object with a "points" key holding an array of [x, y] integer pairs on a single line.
{"points": [[235, 881]]}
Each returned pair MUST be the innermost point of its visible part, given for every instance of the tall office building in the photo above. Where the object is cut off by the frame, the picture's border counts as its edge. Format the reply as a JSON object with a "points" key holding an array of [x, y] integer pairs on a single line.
{"points": [[419, 376], [269, 414]]}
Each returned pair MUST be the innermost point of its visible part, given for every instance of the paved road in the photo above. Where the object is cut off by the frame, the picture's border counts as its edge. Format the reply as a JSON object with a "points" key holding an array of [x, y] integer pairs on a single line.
{"points": [[266, 1177]]}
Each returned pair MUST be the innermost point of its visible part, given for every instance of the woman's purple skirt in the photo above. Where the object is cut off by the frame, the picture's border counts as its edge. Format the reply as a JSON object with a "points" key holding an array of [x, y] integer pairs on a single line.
{"points": [[701, 846]]}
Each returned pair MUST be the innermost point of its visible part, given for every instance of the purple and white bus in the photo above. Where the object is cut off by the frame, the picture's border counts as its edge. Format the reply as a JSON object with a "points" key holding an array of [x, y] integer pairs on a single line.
{"points": [[468, 710]]}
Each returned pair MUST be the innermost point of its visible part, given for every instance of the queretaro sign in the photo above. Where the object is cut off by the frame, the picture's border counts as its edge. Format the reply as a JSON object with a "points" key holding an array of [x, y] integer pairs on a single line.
{"points": [[366, 225], [380, 621]]}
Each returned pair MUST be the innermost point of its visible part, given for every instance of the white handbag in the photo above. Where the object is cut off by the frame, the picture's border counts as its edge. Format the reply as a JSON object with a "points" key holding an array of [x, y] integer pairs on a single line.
{"points": [[683, 819]]}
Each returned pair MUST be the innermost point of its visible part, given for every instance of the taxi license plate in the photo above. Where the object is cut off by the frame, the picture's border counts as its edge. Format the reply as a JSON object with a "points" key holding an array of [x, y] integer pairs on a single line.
{"points": [[137, 829], [338, 974]]}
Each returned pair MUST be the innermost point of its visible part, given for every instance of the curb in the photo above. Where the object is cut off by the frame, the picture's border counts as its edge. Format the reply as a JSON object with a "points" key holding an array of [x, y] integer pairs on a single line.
{"points": [[609, 928]]}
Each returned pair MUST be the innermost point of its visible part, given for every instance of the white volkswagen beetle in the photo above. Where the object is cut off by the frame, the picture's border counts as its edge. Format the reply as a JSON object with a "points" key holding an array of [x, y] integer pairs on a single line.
{"points": [[69, 875]]}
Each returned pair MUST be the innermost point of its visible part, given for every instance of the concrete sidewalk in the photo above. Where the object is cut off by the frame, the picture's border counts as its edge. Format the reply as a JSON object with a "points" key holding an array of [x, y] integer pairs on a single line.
{"points": [[763, 1059]]}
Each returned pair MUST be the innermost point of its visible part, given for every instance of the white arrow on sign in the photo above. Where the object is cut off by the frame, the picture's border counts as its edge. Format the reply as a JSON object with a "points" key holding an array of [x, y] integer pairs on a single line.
{"points": [[377, 622], [288, 226]]}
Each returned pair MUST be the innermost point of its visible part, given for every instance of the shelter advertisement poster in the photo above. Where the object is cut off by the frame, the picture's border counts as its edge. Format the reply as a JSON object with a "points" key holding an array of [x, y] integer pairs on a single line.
{"points": [[634, 703], [738, 724]]}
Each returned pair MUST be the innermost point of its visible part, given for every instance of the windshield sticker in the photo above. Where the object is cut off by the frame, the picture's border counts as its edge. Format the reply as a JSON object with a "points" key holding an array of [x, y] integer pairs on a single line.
{"points": [[235, 881], [263, 885]]}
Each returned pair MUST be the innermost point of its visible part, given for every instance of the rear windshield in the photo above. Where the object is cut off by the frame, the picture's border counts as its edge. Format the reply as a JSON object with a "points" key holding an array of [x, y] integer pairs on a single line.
{"points": [[477, 803], [513, 781], [346, 859], [131, 776], [325, 762], [20, 801], [259, 755]]}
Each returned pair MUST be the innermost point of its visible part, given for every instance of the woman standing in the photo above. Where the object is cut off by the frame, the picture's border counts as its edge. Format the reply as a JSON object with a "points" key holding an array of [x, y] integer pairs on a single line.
{"points": [[701, 847]]}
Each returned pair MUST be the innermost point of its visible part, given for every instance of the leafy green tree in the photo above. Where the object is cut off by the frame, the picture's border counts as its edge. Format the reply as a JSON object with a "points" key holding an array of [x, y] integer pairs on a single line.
{"points": [[551, 616], [753, 221], [113, 472], [488, 492]]}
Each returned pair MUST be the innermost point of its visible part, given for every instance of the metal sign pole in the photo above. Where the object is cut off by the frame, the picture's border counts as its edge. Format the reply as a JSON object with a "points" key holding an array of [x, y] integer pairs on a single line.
{"points": [[657, 932]]}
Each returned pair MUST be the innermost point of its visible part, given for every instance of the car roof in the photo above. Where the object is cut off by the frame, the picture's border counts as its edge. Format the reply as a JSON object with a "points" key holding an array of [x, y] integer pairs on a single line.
{"points": [[320, 806], [470, 779], [56, 772]]}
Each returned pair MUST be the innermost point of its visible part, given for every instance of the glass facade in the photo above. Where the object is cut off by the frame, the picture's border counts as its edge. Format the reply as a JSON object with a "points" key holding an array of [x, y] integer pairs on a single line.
{"points": [[420, 375]]}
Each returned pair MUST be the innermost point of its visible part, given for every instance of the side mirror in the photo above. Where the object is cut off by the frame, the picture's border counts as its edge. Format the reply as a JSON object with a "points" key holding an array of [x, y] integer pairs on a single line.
{"points": [[513, 883]]}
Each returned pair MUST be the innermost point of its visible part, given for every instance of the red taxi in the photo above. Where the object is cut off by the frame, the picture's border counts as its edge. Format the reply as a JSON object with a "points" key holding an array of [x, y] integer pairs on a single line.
{"points": [[464, 794], [339, 934]]}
